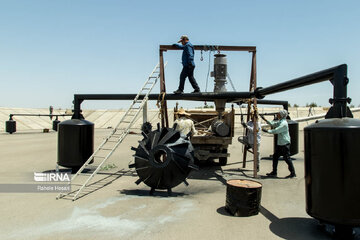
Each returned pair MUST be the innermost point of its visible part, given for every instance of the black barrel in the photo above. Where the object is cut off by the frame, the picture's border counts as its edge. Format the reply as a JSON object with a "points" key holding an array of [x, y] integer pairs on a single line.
{"points": [[75, 142], [55, 124], [332, 166], [243, 197], [10, 126], [294, 137]]}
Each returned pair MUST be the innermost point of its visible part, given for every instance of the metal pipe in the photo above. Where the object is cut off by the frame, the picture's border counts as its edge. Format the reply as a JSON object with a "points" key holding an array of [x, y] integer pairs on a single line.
{"points": [[39, 115], [285, 104], [337, 76], [299, 82], [264, 114], [204, 96]]}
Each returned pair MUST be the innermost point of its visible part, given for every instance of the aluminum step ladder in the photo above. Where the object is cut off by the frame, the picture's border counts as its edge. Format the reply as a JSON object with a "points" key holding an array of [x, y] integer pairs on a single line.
{"points": [[115, 138]]}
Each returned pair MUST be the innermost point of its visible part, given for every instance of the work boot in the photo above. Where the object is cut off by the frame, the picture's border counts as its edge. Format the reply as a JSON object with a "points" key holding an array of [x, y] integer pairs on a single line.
{"points": [[196, 91], [178, 92], [292, 175], [272, 174]]}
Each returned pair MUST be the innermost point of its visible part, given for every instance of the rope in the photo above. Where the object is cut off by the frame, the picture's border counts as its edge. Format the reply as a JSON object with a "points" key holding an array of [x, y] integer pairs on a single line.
{"points": [[160, 103], [208, 73], [241, 113], [244, 132]]}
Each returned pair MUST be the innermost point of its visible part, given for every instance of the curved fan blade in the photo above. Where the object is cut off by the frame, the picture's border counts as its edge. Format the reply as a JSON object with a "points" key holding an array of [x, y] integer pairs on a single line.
{"points": [[142, 158], [155, 139], [168, 136], [142, 145]]}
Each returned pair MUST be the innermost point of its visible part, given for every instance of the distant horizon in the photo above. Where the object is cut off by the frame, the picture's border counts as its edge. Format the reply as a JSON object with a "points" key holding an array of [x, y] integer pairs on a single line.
{"points": [[151, 109]]}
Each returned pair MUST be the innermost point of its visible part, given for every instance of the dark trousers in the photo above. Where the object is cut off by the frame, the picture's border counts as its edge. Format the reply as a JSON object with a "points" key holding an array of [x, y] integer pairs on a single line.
{"points": [[188, 71], [285, 152]]}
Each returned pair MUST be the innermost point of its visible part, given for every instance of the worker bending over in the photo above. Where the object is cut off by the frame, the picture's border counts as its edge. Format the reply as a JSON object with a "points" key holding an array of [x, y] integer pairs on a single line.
{"points": [[184, 125], [281, 128]]}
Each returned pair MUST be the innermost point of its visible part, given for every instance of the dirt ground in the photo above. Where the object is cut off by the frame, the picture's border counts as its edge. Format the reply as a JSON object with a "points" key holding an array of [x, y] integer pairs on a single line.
{"points": [[124, 210]]}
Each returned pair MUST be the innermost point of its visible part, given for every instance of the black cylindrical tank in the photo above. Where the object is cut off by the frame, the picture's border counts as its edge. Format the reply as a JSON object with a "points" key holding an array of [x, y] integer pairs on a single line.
{"points": [[55, 124], [294, 137], [10, 126], [332, 167], [75, 142]]}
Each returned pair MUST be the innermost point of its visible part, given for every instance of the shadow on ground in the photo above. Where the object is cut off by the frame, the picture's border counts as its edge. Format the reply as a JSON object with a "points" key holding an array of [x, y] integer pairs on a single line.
{"points": [[144, 193], [297, 228], [107, 178], [208, 171], [301, 228], [305, 228]]}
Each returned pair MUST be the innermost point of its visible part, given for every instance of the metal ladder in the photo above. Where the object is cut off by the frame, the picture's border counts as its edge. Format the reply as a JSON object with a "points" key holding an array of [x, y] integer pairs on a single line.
{"points": [[115, 138]]}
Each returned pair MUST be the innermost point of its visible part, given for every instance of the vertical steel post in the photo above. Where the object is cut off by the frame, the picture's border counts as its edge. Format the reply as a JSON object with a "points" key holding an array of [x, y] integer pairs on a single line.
{"points": [[255, 117], [163, 105], [145, 111], [248, 111], [339, 100], [77, 108]]}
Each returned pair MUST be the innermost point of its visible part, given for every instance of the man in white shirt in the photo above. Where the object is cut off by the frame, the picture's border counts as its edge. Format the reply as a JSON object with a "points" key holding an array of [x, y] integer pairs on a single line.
{"points": [[248, 140], [183, 124]]}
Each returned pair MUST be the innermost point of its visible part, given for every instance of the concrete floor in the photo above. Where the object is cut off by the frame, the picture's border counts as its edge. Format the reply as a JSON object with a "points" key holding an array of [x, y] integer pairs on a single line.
{"points": [[123, 210]]}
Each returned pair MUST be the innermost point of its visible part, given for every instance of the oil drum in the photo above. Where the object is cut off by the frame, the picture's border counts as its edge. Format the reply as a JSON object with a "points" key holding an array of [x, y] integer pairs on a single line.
{"points": [[332, 167], [294, 137], [75, 142], [243, 197]]}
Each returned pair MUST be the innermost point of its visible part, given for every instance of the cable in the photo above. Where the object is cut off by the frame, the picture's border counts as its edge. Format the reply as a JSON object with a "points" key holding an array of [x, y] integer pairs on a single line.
{"points": [[208, 73], [232, 85]]}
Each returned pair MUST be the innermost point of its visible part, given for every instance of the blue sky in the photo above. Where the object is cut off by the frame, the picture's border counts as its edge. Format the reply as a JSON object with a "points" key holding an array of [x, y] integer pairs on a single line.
{"points": [[50, 50]]}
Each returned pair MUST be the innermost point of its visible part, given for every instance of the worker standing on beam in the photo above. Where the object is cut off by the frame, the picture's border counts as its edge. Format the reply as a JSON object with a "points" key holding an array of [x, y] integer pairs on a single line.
{"points": [[188, 64], [282, 148]]}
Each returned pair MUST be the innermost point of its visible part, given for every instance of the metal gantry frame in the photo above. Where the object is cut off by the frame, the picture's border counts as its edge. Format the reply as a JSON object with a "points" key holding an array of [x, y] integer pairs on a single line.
{"points": [[336, 75], [252, 86]]}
